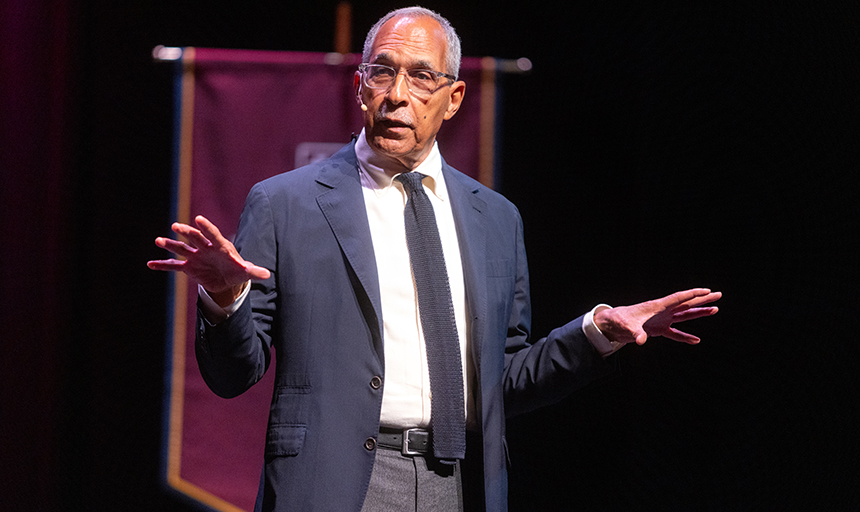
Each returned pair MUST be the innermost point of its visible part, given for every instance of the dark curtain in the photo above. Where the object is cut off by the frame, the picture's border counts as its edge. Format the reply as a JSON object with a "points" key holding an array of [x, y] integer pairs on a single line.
{"points": [[652, 148], [36, 120]]}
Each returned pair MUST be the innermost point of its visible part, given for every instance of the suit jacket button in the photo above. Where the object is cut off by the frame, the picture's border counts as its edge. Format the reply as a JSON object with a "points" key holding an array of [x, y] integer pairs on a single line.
{"points": [[370, 444], [376, 382]]}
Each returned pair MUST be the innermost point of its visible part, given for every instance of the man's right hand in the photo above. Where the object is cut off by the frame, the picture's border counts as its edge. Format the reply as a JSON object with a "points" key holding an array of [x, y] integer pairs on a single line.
{"points": [[210, 259]]}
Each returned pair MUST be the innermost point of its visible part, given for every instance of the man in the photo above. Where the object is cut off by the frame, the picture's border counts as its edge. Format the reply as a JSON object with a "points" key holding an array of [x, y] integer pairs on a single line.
{"points": [[332, 253]]}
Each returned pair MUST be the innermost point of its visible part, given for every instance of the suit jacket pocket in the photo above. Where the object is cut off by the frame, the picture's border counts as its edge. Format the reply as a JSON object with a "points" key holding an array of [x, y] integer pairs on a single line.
{"points": [[288, 419], [284, 440]]}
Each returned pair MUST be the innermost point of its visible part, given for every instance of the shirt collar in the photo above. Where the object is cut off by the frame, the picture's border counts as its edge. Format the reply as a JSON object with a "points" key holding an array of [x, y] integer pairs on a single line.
{"points": [[381, 179]]}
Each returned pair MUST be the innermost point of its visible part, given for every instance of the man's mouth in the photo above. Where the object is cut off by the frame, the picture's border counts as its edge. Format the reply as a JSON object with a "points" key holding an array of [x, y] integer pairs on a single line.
{"points": [[395, 124]]}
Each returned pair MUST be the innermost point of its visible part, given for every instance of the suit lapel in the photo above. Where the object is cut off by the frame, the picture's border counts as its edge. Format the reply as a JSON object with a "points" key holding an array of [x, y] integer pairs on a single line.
{"points": [[342, 204], [469, 217]]}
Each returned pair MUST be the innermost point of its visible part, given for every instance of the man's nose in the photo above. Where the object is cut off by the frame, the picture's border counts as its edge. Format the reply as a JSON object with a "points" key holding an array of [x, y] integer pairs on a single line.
{"points": [[399, 91]]}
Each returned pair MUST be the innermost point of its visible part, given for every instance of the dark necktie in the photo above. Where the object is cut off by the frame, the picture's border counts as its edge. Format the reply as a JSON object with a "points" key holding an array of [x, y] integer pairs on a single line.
{"points": [[436, 311]]}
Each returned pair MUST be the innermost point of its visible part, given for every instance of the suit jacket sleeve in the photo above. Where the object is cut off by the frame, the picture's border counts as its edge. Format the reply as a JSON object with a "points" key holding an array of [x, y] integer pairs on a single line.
{"points": [[543, 372], [234, 354]]}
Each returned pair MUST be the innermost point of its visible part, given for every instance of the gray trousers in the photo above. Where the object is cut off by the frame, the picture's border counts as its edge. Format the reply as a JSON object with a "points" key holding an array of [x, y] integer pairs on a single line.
{"points": [[415, 484]]}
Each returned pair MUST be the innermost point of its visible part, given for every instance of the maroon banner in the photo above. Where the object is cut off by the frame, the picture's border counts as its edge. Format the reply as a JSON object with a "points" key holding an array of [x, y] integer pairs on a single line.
{"points": [[244, 116]]}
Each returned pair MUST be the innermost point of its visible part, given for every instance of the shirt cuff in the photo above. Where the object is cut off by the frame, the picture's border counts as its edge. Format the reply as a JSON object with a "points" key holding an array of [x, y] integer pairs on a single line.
{"points": [[600, 342], [214, 313]]}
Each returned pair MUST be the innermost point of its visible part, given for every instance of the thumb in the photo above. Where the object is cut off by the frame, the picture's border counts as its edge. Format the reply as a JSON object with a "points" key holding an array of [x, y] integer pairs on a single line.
{"points": [[255, 272], [641, 337]]}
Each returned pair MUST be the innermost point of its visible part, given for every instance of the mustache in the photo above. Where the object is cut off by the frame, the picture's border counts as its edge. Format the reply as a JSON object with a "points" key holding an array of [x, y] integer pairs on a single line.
{"points": [[397, 116]]}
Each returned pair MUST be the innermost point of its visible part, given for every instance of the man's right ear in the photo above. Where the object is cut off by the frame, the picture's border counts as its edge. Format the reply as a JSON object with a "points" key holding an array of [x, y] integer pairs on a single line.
{"points": [[357, 86]]}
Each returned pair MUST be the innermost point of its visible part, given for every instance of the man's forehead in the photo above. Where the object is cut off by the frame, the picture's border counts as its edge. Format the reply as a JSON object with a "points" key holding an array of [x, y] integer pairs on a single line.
{"points": [[420, 41], [423, 24]]}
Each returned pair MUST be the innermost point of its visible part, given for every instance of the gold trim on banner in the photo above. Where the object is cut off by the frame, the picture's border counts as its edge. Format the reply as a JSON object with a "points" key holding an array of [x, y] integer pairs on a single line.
{"points": [[180, 291], [205, 497], [186, 135]]}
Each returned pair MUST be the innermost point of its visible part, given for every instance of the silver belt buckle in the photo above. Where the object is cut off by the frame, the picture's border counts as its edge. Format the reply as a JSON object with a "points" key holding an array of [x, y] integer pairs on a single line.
{"points": [[404, 447]]}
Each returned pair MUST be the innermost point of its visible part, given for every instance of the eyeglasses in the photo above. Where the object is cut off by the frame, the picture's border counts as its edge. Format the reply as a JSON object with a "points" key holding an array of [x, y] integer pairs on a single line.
{"points": [[421, 82]]}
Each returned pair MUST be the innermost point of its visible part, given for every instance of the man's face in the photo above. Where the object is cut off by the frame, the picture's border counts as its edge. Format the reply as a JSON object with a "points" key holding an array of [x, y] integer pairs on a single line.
{"points": [[399, 125]]}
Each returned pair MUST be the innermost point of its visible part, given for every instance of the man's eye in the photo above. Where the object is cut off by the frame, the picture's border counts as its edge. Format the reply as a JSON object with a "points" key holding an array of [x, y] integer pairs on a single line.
{"points": [[421, 75], [382, 73]]}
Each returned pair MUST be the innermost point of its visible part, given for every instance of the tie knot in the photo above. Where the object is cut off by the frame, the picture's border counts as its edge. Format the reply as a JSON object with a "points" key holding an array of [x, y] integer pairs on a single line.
{"points": [[411, 181]]}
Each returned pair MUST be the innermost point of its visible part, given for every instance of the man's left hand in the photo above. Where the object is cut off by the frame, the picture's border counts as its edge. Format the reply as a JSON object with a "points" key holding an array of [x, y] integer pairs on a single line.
{"points": [[636, 323]]}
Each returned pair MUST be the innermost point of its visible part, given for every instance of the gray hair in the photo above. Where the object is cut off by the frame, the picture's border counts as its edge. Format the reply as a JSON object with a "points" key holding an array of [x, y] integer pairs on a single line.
{"points": [[452, 54]]}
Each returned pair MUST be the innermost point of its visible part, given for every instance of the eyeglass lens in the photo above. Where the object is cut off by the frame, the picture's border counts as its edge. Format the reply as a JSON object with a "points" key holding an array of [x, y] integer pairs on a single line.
{"points": [[420, 81]]}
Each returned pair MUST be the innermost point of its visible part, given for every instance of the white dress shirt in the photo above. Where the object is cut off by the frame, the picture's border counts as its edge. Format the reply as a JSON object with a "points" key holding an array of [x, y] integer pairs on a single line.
{"points": [[406, 393]]}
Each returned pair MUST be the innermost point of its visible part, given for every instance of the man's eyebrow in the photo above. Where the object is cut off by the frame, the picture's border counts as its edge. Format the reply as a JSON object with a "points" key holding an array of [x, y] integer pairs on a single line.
{"points": [[381, 56], [418, 64]]}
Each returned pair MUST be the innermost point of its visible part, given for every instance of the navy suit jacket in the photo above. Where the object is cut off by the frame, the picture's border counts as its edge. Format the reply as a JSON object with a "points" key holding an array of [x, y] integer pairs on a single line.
{"points": [[320, 310]]}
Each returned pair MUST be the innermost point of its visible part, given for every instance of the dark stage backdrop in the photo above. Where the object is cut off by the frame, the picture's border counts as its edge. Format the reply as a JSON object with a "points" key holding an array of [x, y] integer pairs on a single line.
{"points": [[652, 148]]}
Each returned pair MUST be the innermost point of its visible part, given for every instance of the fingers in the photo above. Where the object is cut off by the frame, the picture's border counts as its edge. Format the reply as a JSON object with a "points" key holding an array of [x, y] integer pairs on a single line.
{"points": [[693, 313], [703, 299], [688, 299], [670, 333], [194, 236], [175, 246], [681, 336], [208, 229], [171, 265], [679, 298]]}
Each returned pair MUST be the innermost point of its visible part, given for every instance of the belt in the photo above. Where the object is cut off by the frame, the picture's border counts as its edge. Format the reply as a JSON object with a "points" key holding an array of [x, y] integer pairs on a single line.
{"points": [[410, 441]]}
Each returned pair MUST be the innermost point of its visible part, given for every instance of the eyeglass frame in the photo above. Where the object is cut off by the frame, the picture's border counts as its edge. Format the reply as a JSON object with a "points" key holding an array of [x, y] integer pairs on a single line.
{"points": [[362, 68]]}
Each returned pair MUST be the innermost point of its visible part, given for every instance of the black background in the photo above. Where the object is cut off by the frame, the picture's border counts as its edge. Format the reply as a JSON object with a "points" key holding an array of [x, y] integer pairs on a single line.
{"points": [[654, 147]]}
